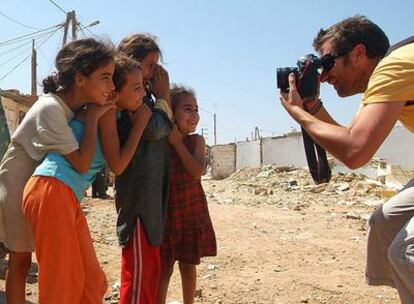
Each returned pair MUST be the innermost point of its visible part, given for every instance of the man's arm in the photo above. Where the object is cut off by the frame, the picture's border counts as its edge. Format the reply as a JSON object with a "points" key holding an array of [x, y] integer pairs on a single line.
{"points": [[321, 114], [354, 145]]}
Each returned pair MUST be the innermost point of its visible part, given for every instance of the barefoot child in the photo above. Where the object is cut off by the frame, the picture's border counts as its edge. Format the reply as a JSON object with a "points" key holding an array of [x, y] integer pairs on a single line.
{"points": [[46, 128], [189, 233]]}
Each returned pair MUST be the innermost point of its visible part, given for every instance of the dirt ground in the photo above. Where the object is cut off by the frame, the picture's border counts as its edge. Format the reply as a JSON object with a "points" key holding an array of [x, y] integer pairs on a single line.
{"points": [[281, 239]]}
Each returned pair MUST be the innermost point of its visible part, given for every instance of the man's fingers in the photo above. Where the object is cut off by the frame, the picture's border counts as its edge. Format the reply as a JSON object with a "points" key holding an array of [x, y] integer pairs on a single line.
{"points": [[292, 82]]}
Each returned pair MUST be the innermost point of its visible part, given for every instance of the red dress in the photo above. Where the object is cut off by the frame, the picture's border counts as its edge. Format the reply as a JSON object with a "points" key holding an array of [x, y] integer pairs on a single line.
{"points": [[189, 233]]}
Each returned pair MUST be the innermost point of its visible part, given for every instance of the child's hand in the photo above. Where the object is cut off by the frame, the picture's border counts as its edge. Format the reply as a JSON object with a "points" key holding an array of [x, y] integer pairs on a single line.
{"points": [[175, 136], [94, 111], [160, 84], [142, 115]]}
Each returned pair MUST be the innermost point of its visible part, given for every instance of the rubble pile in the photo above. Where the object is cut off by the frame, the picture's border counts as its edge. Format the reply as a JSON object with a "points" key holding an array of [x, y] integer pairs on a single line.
{"points": [[291, 187]]}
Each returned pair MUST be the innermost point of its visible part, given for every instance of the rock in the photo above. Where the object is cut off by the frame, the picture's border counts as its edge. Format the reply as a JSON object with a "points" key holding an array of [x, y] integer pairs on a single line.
{"points": [[316, 188], [353, 215], [264, 174], [199, 293], [260, 191], [116, 286], [343, 187], [373, 203]]}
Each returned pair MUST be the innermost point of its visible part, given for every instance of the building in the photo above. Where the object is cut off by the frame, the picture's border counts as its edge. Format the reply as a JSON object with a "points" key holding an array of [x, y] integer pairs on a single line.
{"points": [[15, 106]]}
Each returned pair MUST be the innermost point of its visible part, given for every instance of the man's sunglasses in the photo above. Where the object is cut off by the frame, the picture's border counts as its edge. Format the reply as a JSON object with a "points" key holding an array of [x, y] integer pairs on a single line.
{"points": [[328, 60]]}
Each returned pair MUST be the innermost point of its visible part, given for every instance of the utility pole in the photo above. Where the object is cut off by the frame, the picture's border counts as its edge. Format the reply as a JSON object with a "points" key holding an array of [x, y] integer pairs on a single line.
{"points": [[204, 133], [70, 18], [256, 133], [34, 68], [215, 129], [74, 26]]}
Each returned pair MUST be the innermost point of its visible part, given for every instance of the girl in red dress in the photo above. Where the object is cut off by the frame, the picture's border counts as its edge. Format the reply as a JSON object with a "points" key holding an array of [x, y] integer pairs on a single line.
{"points": [[189, 233]]}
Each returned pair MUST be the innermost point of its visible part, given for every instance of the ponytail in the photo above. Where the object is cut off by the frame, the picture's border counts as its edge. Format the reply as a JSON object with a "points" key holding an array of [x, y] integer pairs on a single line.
{"points": [[50, 84]]}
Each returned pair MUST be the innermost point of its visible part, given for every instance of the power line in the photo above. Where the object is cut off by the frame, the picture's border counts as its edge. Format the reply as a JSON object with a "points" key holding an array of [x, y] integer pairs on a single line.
{"points": [[30, 35], [18, 22], [92, 33], [14, 57], [26, 41], [59, 7], [26, 58], [15, 48], [15, 67], [209, 112]]}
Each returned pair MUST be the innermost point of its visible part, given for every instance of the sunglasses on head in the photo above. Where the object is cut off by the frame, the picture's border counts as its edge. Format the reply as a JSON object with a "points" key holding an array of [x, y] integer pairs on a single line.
{"points": [[328, 60]]}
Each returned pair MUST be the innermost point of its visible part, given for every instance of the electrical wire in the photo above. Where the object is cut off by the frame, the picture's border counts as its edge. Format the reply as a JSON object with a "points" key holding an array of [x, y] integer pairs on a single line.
{"points": [[30, 35], [58, 6], [26, 42], [27, 57], [18, 22]]}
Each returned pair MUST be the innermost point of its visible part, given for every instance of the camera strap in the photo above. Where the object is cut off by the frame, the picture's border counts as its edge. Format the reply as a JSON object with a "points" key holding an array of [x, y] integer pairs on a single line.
{"points": [[317, 160]]}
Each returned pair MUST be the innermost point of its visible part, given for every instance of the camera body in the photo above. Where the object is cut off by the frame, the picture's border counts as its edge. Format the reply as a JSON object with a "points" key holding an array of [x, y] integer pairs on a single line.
{"points": [[306, 74]]}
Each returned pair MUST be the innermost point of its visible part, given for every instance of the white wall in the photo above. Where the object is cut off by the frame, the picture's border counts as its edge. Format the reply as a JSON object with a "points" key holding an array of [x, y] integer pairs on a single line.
{"points": [[284, 151], [248, 154], [398, 148]]}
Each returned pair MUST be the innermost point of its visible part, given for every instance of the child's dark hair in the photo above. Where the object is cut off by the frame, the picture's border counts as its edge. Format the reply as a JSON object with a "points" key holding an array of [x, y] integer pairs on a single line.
{"points": [[80, 56], [139, 45], [177, 92], [123, 66]]}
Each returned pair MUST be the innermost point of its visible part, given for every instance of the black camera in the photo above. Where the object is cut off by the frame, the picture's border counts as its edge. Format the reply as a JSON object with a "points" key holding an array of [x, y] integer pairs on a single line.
{"points": [[307, 83], [306, 75]]}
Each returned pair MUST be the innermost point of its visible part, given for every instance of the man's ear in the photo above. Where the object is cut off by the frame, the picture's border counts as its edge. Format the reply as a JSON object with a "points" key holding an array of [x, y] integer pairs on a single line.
{"points": [[79, 79], [359, 52]]}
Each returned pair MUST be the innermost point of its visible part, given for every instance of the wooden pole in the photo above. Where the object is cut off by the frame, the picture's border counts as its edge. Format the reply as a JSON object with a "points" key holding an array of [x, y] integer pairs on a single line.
{"points": [[34, 69]]}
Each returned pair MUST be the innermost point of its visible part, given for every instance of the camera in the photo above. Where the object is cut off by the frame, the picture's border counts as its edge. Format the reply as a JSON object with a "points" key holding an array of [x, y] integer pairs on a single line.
{"points": [[306, 74], [307, 83]]}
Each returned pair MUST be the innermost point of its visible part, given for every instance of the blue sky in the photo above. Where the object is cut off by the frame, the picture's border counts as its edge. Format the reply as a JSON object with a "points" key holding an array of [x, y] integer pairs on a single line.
{"points": [[227, 51]]}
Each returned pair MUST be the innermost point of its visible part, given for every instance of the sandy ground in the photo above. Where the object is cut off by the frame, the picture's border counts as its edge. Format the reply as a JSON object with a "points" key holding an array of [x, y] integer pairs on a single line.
{"points": [[280, 240]]}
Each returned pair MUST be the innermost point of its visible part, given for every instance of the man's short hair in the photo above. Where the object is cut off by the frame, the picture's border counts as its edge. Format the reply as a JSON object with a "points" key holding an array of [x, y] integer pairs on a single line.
{"points": [[349, 32]]}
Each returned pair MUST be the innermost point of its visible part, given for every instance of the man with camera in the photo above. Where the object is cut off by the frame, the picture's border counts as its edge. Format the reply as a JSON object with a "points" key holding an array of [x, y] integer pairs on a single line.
{"points": [[354, 60]]}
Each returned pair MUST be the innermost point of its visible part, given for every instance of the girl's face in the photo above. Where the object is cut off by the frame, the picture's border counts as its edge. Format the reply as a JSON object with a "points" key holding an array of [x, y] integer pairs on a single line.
{"points": [[98, 86], [186, 114], [148, 64], [130, 96]]}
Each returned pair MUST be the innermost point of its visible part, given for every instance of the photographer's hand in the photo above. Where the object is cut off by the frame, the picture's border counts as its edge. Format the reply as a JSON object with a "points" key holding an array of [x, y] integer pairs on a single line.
{"points": [[292, 100]]}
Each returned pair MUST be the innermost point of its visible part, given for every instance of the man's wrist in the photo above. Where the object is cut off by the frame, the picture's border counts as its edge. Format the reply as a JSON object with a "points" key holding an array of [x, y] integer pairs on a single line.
{"points": [[315, 106]]}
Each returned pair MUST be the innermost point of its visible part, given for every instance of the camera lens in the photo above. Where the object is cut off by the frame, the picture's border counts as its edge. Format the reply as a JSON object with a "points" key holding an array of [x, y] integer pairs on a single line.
{"points": [[282, 77]]}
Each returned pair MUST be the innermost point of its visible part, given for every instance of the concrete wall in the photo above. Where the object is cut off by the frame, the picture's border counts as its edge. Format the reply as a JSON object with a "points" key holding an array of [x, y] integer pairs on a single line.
{"points": [[398, 148], [248, 154], [223, 161], [284, 151]]}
